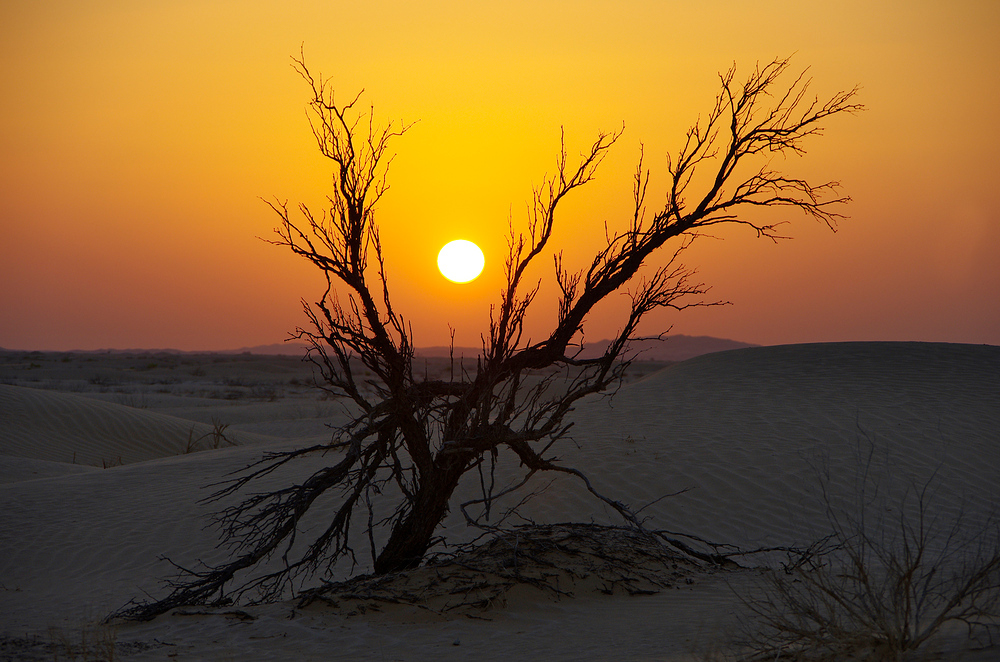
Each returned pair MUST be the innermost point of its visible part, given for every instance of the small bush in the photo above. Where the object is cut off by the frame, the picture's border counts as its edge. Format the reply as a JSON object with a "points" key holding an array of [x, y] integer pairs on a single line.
{"points": [[881, 588], [215, 439]]}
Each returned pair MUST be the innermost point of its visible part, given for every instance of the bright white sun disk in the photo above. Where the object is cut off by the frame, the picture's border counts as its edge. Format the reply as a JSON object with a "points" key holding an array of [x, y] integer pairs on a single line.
{"points": [[461, 261]]}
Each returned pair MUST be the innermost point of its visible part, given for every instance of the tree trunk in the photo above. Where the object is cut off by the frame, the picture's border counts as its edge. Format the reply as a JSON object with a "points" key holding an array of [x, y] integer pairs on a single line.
{"points": [[412, 535]]}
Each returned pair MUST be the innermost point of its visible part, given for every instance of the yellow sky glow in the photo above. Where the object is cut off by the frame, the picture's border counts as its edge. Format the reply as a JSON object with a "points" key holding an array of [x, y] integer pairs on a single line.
{"points": [[138, 137]]}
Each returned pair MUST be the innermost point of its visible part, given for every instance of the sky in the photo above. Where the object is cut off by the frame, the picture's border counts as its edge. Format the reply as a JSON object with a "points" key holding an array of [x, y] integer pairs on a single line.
{"points": [[137, 140]]}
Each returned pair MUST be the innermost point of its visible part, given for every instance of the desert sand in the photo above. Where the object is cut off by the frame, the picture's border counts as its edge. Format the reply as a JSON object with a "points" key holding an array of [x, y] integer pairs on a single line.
{"points": [[104, 457]]}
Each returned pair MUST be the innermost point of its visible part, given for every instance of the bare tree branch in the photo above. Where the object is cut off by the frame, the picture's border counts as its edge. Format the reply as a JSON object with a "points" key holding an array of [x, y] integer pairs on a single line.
{"points": [[413, 439]]}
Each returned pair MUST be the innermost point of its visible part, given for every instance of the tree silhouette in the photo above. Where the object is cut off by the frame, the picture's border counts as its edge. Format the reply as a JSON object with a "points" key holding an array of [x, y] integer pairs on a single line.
{"points": [[414, 438]]}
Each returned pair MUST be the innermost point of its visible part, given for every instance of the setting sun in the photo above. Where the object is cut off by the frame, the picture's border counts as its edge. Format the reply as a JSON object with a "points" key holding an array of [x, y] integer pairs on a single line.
{"points": [[461, 261], [131, 209]]}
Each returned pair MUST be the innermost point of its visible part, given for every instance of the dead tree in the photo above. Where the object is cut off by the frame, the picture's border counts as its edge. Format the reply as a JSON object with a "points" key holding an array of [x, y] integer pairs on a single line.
{"points": [[413, 439]]}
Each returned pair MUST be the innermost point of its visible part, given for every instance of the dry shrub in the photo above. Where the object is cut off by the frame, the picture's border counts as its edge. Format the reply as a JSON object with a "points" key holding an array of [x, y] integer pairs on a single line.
{"points": [[216, 438], [891, 579]]}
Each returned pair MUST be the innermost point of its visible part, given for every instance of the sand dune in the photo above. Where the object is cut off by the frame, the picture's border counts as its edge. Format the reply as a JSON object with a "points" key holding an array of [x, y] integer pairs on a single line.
{"points": [[63, 427], [749, 433], [15, 469]]}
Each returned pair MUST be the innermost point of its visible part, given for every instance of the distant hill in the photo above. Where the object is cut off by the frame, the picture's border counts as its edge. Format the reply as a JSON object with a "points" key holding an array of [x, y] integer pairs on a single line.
{"points": [[278, 348], [671, 348]]}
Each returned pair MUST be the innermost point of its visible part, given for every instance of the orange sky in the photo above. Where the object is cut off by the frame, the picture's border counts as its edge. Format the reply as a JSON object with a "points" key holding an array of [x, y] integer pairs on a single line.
{"points": [[137, 137]]}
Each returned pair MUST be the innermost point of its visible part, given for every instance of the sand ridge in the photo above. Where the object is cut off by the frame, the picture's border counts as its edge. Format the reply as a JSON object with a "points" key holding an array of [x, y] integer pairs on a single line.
{"points": [[63, 427]]}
